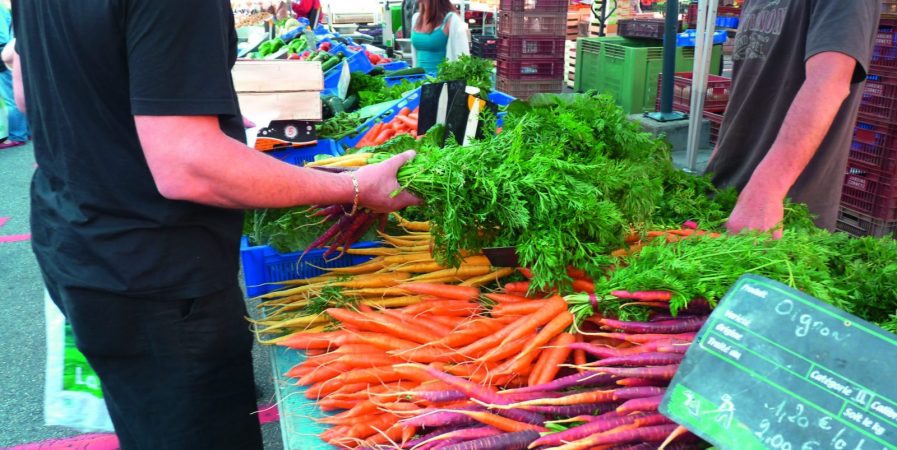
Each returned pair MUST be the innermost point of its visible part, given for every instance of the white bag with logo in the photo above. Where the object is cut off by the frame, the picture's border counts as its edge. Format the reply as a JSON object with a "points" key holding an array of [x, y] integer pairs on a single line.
{"points": [[72, 394]]}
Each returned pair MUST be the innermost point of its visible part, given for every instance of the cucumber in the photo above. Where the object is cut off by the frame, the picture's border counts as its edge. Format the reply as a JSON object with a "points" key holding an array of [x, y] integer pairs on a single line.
{"points": [[335, 104], [377, 71], [406, 72], [330, 63], [350, 103]]}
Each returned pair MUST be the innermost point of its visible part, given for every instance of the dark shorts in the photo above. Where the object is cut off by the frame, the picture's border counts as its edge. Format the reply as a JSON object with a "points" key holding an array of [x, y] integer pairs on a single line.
{"points": [[176, 374]]}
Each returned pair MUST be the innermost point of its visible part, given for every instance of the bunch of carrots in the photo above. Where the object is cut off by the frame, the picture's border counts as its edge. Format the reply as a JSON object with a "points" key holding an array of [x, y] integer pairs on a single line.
{"points": [[405, 122], [447, 373]]}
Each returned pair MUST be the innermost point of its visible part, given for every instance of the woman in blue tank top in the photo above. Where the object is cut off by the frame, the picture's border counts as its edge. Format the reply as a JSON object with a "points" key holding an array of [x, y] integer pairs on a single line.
{"points": [[438, 33]]}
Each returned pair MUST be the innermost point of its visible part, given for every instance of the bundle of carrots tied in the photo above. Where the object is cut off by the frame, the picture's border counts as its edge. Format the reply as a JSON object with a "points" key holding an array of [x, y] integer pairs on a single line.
{"points": [[405, 122], [458, 368]]}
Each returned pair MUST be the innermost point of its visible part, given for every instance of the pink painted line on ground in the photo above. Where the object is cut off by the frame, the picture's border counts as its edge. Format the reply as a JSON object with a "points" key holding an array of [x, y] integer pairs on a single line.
{"points": [[268, 414], [3, 221], [99, 441], [15, 238]]}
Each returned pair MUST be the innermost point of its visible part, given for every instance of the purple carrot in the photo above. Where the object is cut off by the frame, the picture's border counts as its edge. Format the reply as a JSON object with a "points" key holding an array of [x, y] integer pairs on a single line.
{"points": [[643, 338], [639, 382], [594, 396], [436, 396], [684, 325], [649, 373], [640, 360], [696, 307], [640, 405], [595, 350], [437, 432], [521, 415], [600, 424], [506, 441], [575, 380], [575, 410], [329, 234], [661, 317], [680, 348], [334, 169], [435, 417], [653, 446], [690, 225], [643, 296], [348, 231], [382, 219], [472, 389], [439, 444], [524, 396], [327, 211], [358, 229], [656, 433], [465, 434]]}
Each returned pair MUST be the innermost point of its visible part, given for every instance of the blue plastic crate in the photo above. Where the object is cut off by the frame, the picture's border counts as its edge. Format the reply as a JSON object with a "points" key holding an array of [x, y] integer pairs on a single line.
{"points": [[411, 101], [501, 99], [395, 65], [301, 155], [687, 39], [358, 62], [262, 265], [727, 22], [392, 81]]}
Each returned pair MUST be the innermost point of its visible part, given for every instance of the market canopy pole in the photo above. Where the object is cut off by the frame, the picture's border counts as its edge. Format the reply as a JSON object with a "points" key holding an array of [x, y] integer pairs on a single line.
{"points": [[671, 26], [703, 53]]}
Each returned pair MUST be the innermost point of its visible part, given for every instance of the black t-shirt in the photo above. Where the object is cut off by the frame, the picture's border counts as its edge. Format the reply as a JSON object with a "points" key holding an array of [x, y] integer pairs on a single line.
{"points": [[775, 39], [98, 220]]}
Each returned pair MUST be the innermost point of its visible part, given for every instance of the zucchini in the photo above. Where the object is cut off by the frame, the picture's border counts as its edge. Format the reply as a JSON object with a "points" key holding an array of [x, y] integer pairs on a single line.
{"points": [[377, 71], [406, 72], [350, 103], [335, 104], [330, 63]]}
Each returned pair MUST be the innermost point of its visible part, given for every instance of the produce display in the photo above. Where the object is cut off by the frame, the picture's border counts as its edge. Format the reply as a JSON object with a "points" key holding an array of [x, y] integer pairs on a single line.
{"points": [[621, 258]]}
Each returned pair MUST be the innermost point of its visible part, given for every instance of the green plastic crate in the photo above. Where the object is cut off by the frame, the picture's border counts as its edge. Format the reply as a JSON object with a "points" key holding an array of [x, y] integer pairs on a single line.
{"points": [[628, 69]]}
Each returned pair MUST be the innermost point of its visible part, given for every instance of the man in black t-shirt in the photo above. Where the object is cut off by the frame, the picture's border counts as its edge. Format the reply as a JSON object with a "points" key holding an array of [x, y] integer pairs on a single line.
{"points": [[798, 80], [136, 206]]}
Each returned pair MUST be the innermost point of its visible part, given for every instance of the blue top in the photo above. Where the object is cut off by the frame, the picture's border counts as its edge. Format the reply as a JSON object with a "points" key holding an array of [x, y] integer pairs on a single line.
{"points": [[430, 46]]}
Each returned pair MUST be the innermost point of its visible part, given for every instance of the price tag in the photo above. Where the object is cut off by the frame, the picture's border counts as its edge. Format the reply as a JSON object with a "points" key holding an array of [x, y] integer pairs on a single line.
{"points": [[774, 368]]}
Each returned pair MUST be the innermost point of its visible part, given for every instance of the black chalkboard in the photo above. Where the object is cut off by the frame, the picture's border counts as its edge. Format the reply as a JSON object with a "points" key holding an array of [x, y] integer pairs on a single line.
{"points": [[774, 368]]}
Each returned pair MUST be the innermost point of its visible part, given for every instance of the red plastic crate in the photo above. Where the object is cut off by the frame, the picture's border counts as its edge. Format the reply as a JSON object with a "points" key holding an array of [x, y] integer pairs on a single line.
{"points": [[517, 69], [889, 7], [880, 97], [716, 123], [531, 24], [530, 48], [641, 28], [862, 225], [874, 145], [887, 33], [523, 89], [534, 5], [870, 192], [716, 99]]}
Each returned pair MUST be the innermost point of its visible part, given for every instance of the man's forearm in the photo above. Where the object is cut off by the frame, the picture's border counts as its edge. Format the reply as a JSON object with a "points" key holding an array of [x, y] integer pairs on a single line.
{"points": [[212, 169], [807, 123]]}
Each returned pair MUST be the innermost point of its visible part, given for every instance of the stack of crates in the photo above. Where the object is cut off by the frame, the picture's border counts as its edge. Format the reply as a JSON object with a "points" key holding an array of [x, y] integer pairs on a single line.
{"points": [[628, 69], [484, 46], [531, 42], [716, 99], [869, 198]]}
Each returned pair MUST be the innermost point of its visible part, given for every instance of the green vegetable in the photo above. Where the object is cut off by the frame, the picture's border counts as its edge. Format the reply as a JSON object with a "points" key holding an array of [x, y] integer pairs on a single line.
{"points": [[856, 275], [565, 182], [406, 72], [476, 71], [330, 63], [373, 90], [340, 126]]}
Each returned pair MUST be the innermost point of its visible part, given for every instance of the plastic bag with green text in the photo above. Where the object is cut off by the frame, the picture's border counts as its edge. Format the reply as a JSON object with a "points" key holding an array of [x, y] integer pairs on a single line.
{"points": [[72, 394]]}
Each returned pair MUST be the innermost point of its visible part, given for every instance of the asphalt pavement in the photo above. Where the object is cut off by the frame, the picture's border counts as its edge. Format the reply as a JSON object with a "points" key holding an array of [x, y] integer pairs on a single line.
{"points": [[22, 335]]}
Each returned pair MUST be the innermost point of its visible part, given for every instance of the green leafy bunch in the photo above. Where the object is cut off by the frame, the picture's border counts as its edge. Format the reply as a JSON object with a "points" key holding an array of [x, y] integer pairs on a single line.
{"points": [[476, 71], [565, 182]]}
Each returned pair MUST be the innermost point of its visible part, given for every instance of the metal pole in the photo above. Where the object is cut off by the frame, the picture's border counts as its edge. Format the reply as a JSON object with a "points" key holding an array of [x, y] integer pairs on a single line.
{"points": [[671, 28], [669, 56], [703, 54]]}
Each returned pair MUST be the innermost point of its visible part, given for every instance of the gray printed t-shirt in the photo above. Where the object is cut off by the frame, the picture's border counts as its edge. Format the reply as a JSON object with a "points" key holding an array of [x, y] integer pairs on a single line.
{"points": [[775, 39]]}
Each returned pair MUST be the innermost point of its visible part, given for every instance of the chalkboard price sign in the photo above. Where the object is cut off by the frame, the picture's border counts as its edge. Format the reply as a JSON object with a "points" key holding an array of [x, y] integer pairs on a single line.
{"points": [[774, 368]]}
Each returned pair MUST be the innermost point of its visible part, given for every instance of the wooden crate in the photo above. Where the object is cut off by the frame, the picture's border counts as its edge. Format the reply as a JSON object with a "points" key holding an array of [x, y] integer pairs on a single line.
{"points": [[279, 89]]}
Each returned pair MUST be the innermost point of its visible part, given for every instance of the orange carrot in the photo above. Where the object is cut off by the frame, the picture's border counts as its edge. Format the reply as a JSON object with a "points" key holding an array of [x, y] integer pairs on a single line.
{"points": [[506, 298], [517, 309], [583, 286], [579, 355], [517, 287], [553, 328], [502, 423], [556, 357], [442, 290], [526, 326]]}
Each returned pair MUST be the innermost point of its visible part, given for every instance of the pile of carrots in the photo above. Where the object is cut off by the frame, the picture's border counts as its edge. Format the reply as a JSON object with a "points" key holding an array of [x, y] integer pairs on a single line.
{"points": [[426, 358], [447, 373], [405, 122]]}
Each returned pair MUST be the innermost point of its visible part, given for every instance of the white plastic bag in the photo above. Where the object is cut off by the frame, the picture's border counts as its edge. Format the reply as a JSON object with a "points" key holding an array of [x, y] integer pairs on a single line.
{"points": [[72, 394]]}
